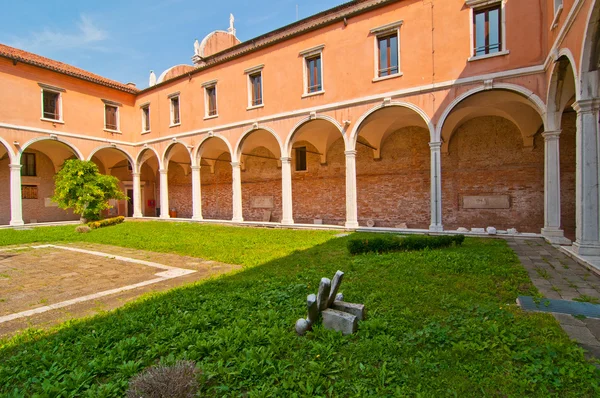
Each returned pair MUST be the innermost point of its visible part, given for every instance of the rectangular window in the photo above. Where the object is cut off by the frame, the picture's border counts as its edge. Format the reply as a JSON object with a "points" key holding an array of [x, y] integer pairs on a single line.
{"points": [[301, 158], [28, 166], [111, 115], [175, 119], [313, 74], [146, 118], [256, 89], [51, 104], [487, 30], [29, 192], [211, 101], [387, 47]]}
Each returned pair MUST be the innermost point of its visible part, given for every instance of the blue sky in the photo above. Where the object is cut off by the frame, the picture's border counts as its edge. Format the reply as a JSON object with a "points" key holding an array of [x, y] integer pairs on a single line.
{"points": [[124, 40]]}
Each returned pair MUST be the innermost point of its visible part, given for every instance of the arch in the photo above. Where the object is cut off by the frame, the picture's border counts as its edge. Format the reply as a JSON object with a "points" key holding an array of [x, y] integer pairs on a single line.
{"points": [[238, 146], [196, 152], [359, 123], [140, 162], [75, 150], [167, 153], [537, 104], [124, 152], [11, 154], [590, 56], [288, 142], [558, 87]]}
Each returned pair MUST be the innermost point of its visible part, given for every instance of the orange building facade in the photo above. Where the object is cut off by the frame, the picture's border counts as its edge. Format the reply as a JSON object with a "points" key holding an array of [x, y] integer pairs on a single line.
{"points": [[440, 116]]}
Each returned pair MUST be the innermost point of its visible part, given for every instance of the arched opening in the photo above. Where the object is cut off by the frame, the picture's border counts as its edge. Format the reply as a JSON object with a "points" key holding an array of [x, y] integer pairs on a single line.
{"points": [[178, 162], [562, 117], [393, 169], [5, 161], [493, 163], [260, 160], [116, 162], [317, 149], [40, 161], [148, 166], [214, 159]]}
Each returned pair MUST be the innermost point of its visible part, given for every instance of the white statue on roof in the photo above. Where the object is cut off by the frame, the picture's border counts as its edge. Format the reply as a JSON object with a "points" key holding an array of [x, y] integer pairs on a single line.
{"points": [[152, 81], [197, 47], [231, 27]]}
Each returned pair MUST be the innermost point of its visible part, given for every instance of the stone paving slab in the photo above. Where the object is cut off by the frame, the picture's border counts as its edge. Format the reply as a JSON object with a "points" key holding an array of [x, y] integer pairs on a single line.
{"points": [[558, 276], [204, 269]]}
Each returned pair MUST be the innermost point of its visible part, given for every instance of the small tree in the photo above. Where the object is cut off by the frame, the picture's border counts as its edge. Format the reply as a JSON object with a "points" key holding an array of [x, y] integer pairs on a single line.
{"points": [[80, 186]]}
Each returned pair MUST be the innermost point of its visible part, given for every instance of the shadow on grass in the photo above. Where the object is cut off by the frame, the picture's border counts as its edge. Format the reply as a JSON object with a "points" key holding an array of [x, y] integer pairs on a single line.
{"points": [[439, 323]]}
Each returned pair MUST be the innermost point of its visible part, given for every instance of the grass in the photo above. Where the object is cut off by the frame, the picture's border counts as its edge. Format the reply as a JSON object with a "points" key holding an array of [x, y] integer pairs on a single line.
{"points": [[440, 323], [584, 298]]}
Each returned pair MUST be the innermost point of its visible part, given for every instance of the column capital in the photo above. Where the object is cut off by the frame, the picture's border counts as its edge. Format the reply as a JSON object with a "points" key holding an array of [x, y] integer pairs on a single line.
{"points": [[163, 171], [235, 165], [194, 168], [587, 106], [350, 153], [435, 145], [136, 174], [286, 159], [551, 135], [15, 166]]}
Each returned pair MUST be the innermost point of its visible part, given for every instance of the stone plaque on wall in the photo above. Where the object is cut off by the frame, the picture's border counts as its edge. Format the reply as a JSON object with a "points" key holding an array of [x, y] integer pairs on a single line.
{"points": [[49, 203], [486, 202], [262, 202]]}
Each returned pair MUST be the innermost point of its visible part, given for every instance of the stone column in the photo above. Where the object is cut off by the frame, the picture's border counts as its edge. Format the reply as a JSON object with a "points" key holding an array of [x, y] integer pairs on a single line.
{"points": [[196, 194], [436, 187], [587, 179], [137, 196], [351, 201], [236, 181], [286, 191], [164, 193], [552, 213], [16, 201]]}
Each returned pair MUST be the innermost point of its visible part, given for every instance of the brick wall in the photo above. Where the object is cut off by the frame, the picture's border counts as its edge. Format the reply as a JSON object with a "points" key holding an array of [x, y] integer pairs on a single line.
{"points": [[216, 190], [180, 190], [567, 172], [4, 191], [261, 179], [486, 157]]}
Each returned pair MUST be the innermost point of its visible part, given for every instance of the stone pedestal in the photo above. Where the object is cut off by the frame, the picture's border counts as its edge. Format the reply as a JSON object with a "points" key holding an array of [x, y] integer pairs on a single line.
{"points": [[340, 321], [358, 310]]}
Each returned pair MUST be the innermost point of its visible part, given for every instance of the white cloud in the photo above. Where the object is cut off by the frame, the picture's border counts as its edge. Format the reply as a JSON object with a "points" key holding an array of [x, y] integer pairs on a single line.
{"points": [[86, 36]]}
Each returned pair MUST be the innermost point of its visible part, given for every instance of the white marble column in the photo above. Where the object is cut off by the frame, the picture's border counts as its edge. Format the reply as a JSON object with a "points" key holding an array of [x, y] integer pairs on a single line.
{"points": [[164, 193], [236, 182], [286, 191], [587, 179], [552, 212], [351, 201], [436, 187], [16, 202], [196, 194], [137, 196]]}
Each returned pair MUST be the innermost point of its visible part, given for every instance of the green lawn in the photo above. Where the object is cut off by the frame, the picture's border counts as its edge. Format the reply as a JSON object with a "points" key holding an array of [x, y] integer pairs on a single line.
{"points": [[440, 323]]}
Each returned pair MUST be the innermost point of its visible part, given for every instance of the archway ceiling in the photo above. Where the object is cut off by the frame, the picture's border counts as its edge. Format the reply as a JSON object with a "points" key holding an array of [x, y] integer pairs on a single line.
{"points": [[149, 158], [261, 138], [179, 154], [110, 157], [212, 149], [505, 104], [57, 151], [320, 133], [3, 152], [378, 126]]}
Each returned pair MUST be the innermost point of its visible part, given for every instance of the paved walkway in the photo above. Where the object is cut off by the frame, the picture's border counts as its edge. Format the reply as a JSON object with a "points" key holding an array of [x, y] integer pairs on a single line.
{"points": [[557, 276]]}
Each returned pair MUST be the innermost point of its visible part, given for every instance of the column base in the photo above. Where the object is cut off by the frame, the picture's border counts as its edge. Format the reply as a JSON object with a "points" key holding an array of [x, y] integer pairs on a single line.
{"points": [[555, 236], [436, 228], [287, 222], [17, 223], [351, 224], [587, 249], [140, 215], [199, 218], [240, 219], [165, 217]]}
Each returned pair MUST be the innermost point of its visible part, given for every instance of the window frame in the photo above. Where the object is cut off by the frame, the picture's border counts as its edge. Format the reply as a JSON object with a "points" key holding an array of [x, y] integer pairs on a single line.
{"points": [[307, 55], [381, 32], [250, 74], [300, 149], [481, 5], [146, 127], [24, 167], [117, 128], [172, 97], [32, 187], [59, 102], [210, 85]]}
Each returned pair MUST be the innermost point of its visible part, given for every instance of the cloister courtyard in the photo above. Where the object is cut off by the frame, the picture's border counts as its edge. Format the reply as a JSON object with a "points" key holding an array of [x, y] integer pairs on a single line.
{"points": [[99, 308]]}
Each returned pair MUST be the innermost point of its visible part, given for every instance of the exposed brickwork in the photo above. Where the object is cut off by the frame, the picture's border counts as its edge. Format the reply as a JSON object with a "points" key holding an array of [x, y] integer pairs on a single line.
{"points": [[567, 173], [486, 157], [4, 190], [261, 177], [216, 189], [180, 190]]}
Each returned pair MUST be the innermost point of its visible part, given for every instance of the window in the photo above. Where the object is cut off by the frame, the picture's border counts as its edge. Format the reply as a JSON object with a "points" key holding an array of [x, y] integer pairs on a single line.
{"points": [[145, 118], [313, 70], [301, 158], [29, 192], [111, 115], [28, 167], [256, 89], [211, 101], [558, 5], [487, 30], [387, 47], [175, 117], [51, 105]]}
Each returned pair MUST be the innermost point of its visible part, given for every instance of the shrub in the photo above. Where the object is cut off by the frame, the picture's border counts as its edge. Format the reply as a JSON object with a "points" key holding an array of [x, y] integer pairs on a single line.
{"points": [[177, 381], [83, 229], [386, 244], [107, 222]]}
